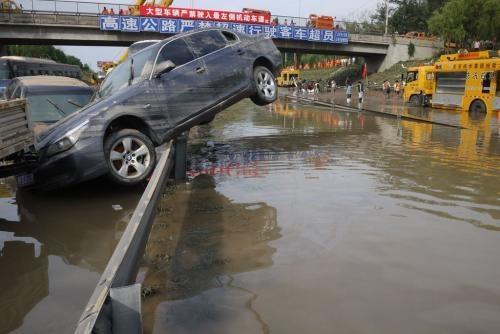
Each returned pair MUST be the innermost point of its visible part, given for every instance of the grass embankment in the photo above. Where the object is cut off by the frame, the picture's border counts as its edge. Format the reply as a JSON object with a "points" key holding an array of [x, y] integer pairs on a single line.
{"points": [[339, 74], [394, 72]]}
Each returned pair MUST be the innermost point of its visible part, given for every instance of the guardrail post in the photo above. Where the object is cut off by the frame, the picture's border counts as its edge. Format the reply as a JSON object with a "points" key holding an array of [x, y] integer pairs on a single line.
{"points": [[180, 159]]}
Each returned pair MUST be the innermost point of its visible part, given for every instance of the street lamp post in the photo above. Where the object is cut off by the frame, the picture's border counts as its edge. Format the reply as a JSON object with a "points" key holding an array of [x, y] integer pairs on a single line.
{"points": [[386, 16], [300, 2]]}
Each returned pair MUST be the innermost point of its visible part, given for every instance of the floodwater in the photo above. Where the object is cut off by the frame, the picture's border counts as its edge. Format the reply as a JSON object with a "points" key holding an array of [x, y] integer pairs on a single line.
{"points": [[53, 249], [302, 219]]}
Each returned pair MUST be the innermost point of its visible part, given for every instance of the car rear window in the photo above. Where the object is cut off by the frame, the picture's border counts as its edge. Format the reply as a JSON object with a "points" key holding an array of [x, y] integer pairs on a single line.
{"points": [[206, 42], [51, 106], [176, 51]]}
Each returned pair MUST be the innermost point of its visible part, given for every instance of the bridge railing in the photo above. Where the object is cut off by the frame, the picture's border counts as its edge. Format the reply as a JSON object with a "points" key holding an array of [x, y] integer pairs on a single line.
{"points": [[85, 13]]}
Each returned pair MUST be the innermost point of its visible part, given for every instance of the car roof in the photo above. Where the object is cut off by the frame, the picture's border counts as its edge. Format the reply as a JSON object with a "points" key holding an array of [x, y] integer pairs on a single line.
{"points": [[194, 31], [50, 80], [28, 59]]}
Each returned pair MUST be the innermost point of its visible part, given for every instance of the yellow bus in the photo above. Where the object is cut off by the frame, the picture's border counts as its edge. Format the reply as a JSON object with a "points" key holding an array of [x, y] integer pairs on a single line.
{"points": [[418, 80], [467, 81], [287, 77]]}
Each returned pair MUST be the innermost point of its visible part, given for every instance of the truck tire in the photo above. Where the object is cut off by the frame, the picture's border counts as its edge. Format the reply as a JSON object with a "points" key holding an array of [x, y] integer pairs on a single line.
{"points": [[414, 101], [477, 106]]}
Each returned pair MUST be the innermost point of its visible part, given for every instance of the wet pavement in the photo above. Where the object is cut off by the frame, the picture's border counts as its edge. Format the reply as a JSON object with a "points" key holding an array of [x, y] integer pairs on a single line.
{"points": [[53, 249], [305, 219]]}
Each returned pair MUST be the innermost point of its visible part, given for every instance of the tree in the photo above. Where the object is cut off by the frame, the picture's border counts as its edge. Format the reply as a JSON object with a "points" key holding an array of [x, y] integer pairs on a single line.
{"points": [[411, 50], [406, 15], [461, 21]]}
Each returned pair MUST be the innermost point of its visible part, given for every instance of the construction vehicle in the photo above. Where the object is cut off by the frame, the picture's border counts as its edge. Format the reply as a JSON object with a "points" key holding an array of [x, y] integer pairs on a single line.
{"points": [[256, 11], [419, 35], [135, 9], [288, 77], [321, 22], [134, 48], [467, 81], [9, 6], [419, 85]]}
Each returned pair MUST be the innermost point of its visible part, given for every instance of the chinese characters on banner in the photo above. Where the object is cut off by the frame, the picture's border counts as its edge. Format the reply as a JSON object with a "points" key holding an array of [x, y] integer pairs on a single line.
{"points": [[205, 15], [174, 26]]}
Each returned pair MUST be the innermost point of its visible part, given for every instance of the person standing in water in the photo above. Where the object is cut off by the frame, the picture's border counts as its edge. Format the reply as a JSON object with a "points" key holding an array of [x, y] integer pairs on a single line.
{"points": [[361, 91], [397, 88], [348, 90]]}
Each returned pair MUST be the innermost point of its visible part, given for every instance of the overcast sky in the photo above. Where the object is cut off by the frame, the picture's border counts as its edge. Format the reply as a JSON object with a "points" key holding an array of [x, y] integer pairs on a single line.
{"points": [[342, 9]]}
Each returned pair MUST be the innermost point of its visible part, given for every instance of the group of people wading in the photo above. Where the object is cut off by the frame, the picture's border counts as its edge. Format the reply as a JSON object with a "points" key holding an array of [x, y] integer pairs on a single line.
{"points": [[360, 87], [315, 87]]}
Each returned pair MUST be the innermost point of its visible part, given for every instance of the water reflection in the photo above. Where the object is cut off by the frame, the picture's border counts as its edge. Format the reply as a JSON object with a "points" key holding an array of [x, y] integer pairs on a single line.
{"points": [[80, 227], [199, 242], [374, 213]]}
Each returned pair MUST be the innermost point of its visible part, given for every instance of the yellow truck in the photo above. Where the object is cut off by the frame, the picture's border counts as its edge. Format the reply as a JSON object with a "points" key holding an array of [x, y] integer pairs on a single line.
{"points": [[287, 77], [419, 80], [467, 81]]}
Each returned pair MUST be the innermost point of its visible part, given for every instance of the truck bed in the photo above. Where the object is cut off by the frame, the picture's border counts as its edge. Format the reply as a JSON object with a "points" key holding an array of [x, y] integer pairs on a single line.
{"points": [[15, 133]]}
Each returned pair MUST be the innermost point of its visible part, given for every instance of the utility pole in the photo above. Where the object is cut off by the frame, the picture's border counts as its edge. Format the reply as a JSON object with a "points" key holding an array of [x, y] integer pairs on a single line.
{"points": [[386, 16]]}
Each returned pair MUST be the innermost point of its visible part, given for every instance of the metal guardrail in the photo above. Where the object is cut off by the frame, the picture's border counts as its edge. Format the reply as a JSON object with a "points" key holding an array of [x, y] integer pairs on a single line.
{"points": [[79, 9], [123, 265]]}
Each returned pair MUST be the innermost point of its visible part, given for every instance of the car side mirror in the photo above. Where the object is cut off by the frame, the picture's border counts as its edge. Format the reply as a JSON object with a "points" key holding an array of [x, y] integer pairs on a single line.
{"points": [[164, 67]]}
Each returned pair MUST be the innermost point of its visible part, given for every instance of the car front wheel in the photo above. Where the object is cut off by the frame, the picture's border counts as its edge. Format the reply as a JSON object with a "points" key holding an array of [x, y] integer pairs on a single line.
{"points": [[266, 90], [130, 156]]}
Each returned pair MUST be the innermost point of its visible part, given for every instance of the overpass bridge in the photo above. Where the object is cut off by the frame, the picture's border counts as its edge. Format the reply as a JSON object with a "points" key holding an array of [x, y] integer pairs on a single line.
{"points": [[81, 27]]}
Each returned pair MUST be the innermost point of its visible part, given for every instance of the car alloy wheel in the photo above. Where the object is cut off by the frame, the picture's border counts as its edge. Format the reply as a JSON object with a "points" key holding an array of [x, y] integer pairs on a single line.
{"points": [[266, 84], [130, 157], [266, 90]]}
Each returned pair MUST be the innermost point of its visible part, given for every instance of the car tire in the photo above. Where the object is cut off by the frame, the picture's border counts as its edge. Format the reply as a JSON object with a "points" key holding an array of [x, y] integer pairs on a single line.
{"points": [[266, 89], [130, 156], [414, 101], [477, 106]]}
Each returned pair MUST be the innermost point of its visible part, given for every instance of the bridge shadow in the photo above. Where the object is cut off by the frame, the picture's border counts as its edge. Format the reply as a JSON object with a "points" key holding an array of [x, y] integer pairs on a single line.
{"points": [[194, 251]]}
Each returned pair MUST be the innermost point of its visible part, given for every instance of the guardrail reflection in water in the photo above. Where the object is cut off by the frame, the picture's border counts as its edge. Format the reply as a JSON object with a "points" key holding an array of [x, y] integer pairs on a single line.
{"points": [[85, 13], [122, 267]]}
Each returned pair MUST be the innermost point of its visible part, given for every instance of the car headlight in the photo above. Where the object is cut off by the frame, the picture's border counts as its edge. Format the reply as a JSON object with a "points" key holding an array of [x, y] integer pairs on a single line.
{"points": [[67, 140]]}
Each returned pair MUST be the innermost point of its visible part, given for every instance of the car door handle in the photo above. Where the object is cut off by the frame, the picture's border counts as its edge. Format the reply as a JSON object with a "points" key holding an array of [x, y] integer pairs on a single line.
{"points": [[200, 70], [147, 106], [240, 52]]}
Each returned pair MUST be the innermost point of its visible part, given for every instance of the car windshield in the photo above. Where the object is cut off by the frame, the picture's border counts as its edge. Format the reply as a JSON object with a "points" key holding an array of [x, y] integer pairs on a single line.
{"points": [[4, 70], [131, 71], [138, 46], [49, 107]]}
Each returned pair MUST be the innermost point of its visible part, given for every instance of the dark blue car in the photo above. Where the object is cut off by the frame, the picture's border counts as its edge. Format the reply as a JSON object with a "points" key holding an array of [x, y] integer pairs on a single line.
{"points": [[152, 96]]}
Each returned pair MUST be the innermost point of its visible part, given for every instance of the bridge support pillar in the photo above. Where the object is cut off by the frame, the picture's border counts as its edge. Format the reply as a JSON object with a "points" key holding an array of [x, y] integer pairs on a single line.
{"points": [[3, 50], [297, 57], [180, 156], [374, 62]]}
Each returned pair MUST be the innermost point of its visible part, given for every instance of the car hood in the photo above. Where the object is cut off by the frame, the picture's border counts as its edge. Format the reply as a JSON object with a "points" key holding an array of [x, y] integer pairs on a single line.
{"points": [[58, 129]]}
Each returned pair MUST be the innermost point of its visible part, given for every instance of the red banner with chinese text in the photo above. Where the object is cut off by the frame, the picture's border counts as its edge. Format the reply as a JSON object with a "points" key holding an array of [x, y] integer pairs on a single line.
{"points": [[205, 14]]}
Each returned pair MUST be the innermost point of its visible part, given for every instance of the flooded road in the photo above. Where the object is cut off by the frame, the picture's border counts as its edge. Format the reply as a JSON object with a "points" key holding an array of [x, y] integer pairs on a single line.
{"points": [[302, 219], [53, 249]]}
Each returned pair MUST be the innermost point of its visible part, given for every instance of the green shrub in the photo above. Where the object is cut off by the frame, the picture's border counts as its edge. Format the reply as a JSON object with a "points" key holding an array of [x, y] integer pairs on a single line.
{"points": [[352, 72]]}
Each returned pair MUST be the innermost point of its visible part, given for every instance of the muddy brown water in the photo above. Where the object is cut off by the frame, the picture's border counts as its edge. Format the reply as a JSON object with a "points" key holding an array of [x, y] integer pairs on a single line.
{"points": [[53, 249], [296, 218], [302, 219]]}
